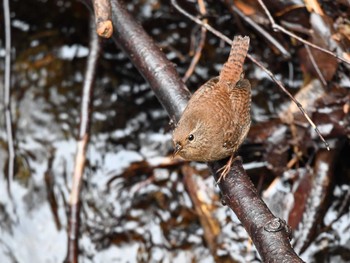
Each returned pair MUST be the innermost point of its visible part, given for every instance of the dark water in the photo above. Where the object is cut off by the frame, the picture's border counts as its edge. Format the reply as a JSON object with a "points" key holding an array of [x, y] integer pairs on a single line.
{"points": [[146, 216]]}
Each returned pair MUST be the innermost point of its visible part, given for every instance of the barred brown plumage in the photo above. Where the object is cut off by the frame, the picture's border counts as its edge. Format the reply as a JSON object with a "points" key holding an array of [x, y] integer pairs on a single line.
{"points": [[217, 117]]}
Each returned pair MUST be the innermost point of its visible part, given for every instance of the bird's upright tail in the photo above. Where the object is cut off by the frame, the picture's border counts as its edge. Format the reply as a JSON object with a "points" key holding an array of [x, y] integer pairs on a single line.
{"points": [[233, 68]]}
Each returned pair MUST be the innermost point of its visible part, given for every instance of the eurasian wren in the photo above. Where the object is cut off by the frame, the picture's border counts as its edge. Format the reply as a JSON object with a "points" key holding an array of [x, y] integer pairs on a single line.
{"points": [[217, 117]]}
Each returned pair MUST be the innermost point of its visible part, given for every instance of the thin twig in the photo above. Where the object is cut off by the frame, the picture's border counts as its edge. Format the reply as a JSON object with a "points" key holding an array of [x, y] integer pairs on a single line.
{"points": [[297, 103], [7, 96], [268, 72], [297, 27], [316, 67], [260, 30], [276, 27], [80, 157], [199, 49]]}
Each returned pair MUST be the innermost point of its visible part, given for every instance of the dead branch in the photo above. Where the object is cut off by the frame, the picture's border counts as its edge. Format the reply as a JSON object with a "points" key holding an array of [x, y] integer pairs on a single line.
{"points": [[80, 157], [316, 67], [102, 10], [200, 46], [7, 97]]}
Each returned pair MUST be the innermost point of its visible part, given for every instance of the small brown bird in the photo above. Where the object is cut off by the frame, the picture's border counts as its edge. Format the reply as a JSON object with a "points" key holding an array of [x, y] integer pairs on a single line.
{"points": [[217, 117]]}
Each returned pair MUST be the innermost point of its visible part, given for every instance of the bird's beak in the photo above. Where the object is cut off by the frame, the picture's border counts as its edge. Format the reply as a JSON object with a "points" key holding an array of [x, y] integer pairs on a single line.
{"points": [[178, 148]]}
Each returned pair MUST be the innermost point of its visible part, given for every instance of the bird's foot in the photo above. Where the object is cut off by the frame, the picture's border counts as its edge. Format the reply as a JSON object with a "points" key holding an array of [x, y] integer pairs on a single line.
{"points": [[225, 169]]}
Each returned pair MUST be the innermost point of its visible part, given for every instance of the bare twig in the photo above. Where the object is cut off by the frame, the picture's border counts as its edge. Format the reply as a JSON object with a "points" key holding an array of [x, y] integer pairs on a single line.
{"points": [[80, 157], [297, 103], [7, 96], [103, 20], [296, 27], [260, 30], [316, 67], [268, 72], [277, 27], [199, 49]]}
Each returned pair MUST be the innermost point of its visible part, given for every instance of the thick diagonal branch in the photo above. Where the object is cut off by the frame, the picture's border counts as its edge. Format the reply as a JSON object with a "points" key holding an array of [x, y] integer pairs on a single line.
{"points": [[272, 242], [150, 61]]}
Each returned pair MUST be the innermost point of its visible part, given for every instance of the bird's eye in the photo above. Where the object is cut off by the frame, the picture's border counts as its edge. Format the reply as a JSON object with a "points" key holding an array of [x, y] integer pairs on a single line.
{"points": [[190, 137]]}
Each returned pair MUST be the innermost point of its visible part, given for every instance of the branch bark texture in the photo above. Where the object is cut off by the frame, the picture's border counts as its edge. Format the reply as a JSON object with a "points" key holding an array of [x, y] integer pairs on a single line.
{"points": [[150, 61], [267, 232]]}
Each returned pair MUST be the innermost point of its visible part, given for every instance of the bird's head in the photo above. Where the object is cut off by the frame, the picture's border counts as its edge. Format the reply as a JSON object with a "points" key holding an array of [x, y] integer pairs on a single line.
{"points": [[190, 139]]}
